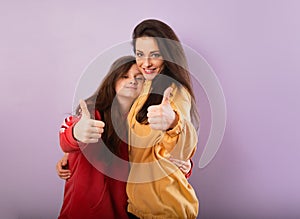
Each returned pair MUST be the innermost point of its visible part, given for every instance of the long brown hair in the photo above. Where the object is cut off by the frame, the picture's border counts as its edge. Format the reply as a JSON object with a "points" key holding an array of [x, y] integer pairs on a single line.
{"points": [[175, 65], [103, 99]]}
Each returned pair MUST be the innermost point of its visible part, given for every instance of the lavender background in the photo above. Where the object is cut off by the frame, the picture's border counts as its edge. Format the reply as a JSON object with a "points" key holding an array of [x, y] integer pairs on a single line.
{"points": [[253, 46]]}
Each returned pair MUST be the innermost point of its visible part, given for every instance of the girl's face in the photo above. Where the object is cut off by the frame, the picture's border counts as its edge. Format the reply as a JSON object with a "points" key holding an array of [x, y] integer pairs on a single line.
{"points": [[148, 57], [130, 84]]}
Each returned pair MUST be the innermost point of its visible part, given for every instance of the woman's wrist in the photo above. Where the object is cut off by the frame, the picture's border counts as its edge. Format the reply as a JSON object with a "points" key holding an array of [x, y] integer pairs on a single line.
{"points": [[174, 123]]}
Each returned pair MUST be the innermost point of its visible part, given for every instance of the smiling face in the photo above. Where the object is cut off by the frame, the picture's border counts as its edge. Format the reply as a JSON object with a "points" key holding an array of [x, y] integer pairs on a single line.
{"points": [[130, 84], [148, 57]]}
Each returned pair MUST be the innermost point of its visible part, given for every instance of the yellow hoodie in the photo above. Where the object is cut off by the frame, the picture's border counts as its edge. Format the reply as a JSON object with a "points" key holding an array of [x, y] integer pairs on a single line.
{"points": [[156, 188]]}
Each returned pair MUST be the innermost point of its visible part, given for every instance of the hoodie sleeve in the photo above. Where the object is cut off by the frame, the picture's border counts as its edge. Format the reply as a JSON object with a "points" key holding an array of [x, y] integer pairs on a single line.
{"points": [[181, 141]]}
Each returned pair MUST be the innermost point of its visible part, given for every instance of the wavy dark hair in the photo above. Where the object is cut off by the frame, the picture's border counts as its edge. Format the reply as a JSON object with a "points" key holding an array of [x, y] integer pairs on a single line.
{"points": [[102, 101], [175, 65]]}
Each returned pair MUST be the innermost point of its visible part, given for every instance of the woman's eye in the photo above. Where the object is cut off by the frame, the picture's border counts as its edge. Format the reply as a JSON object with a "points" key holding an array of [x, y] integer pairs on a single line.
{"points": [[139, 54], [124, 76], [155, 55]]}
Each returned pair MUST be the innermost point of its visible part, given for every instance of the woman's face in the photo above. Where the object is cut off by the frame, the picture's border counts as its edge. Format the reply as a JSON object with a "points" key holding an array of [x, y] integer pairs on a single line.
{"points": [[130, 84], [148, 57]]}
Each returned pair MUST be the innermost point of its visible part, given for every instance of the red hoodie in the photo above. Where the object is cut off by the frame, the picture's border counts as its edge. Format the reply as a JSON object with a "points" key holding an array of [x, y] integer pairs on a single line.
{"points": [[89, 193]]}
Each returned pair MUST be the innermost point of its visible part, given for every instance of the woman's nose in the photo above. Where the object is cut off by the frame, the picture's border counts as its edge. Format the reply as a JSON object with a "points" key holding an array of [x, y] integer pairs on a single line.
{"points": [[147, 62]]}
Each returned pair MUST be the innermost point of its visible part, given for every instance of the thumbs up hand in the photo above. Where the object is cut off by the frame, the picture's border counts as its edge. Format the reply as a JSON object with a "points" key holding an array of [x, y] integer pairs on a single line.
{"points": [[162, 116], [87, 130]]}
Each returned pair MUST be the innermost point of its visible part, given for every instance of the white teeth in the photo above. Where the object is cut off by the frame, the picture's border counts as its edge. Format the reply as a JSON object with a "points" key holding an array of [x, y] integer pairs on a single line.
{"points": [[149, 71]]}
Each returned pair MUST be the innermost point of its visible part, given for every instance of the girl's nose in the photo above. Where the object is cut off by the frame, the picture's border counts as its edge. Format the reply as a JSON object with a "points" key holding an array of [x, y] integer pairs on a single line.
{"points": [[133, 80]]}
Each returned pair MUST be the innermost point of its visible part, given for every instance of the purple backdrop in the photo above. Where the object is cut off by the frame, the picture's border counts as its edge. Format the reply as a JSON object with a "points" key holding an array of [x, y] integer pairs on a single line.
{"points": [[253, 47]]}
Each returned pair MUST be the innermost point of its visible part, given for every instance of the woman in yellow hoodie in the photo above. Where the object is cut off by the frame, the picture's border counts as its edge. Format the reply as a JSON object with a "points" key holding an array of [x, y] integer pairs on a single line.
{"points": [[161, 127]]}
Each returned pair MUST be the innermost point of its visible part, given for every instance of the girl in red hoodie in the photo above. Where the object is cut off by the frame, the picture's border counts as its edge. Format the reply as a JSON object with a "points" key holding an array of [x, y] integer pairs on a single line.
{"points": [[94, 153]]}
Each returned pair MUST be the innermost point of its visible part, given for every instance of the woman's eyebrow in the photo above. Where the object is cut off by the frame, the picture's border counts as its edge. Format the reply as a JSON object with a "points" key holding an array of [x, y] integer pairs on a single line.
{"points": [[155, 51]]}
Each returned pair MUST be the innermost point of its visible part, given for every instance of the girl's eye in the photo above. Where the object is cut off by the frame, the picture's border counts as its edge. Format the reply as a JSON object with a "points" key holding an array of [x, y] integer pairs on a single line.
{"points": [[124, 76], [139, 78]]}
